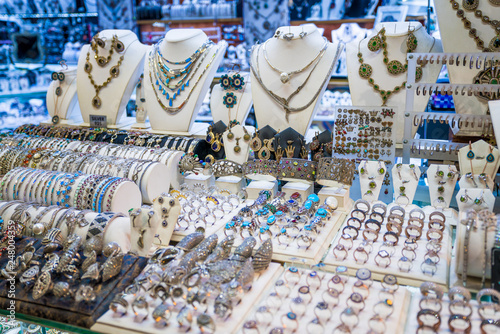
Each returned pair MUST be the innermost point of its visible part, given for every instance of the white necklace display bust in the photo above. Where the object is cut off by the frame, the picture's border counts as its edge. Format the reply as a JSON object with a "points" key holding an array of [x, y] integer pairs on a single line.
{"points": [[363, 94], [178, 45], [116, 94], [289, 56]]}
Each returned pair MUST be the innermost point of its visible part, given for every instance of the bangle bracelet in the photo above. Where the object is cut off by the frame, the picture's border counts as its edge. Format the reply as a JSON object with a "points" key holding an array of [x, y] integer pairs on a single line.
{"points": [[297, 169]]}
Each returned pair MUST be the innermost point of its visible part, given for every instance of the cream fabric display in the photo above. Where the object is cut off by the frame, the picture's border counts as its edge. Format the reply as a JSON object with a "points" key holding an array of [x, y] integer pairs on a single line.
{"points": [[63, 108], [371, 177], [237, 148], [363, 94], [115, 94], [456, 38], [442, 180], [177, 46], [476, 244], [295, 64], [495, 117], [239, 112], [405, 180], [479, 161]]}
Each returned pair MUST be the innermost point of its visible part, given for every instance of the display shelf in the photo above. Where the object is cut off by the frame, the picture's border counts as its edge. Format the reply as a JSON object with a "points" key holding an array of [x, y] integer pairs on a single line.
{"points": [[50, 16], [235, 20], [395, 323], [24, 93], [415, 276], [291, 252], [108, 323]]}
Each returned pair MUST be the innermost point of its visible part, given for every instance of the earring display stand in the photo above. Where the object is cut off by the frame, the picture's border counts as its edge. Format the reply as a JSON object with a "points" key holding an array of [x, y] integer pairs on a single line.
{"points": [[165, 211], [405, 180], [475, 181], [479, 157], [442, 181], [65, 106], [237, 148], [240, 110], [370, 179], [292, 251], [415, 276], [280, 300], [108, 322], [143, 227]]}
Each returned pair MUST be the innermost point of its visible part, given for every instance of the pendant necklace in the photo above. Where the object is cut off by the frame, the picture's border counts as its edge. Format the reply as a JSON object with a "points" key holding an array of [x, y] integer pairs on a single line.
{"points": [[171, 110], [285, 102], [286, 76], [394, 67], [471, 5], [114, 71]]}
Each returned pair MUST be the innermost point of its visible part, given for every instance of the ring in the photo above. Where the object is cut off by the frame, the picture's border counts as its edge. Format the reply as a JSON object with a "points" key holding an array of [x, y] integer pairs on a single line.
{"points": [[336, 283], [357, 255], [459, 293], [204, 322], [361, 288], [439, 214], [379, 208], [373, 224], [354, 222], [358, 205], [119, 303], [413, 231], [460, 307], [359, 214], [281, 288], [436, 224], [434, 234], [346, 241], [340, 252], [391, 237], [377, 324], [432, 256], [396, 218], [162, 314], [411, 243], [489, 323], [305, 294], [333, 297], [429, 318], [263, 312], [419, 222], [431, 303], [249, 325], [377, 216], [140, 303], [417, 213], [428, 267], [384, 259], [292, 272], [397, 211], [405, 265], [314, 324], [390, 283], [460, 322], [370, 235], [313, 275], [322, 312], [394, 227], [289, 317], [356, 302], [354, 232], [349, 317], [384, 308], [432, 290]]}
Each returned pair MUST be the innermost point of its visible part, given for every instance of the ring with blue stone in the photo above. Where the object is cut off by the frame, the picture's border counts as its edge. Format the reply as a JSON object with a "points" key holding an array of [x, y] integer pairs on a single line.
{"points": [[292, 275], [288, 318]]}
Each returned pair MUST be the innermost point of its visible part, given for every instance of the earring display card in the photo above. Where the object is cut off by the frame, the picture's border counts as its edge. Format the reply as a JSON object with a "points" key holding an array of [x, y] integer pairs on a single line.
{"points": [[366, 133], [410, 244], [305, 301], [178, 310]]}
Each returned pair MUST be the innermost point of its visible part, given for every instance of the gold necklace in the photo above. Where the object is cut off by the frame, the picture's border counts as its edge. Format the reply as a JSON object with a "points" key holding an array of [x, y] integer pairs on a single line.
{"points": [[114, 73]]}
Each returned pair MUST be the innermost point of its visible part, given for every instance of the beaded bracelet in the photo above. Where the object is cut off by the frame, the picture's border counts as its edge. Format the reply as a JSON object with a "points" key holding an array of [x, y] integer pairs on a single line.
{"points": [[297, 169], [99, 193], [112, 190]]}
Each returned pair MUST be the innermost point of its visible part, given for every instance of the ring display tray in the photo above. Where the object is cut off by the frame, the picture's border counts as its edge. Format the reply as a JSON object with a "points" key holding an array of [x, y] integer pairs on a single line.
{"points": [[109, 323], [415, 276], [278, 311]]}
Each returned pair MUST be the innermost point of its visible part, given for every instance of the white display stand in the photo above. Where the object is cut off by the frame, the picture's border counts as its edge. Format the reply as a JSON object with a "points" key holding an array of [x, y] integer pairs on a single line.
{"points": [[141, 113], [291, 56], [395, 323], [178, 45], [363, 94], [488, 199], [232, 183], [495, 117], [447, 184], [476, 255], [340, 194], [205, 180], [455, 39], [255, 187], [304, 189], [116, 94], [229, 145], [415, 276], [243, 102], [475, 181], [66, 105], [110, 323], [165, 211], [404, 177], [370, 175], [143, 227], [479, 164]]}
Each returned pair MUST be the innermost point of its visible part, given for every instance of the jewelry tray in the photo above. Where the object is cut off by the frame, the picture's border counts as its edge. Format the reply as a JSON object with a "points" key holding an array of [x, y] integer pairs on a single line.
{"points": [[394, 324], [109, 323], [66, 310], [413, 278]]}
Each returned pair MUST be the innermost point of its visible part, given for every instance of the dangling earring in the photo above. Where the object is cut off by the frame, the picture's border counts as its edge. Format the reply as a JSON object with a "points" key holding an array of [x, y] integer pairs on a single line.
{"points": [[318, 155], [217, 144], [470, 154], [381, 170], [264, 153], [210, 138], [314, 145], [237, 148], [229, 100], [246, 136], [490, 157], [290, 149], [256, 143], [411, 41], [375, 43], [270, 144], [230, 135], [237, 81], [225, 81]]}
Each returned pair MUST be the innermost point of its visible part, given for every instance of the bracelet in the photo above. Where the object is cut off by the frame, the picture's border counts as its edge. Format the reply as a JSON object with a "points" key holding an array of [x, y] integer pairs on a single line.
{"points": [[260, 167], [297, 169], [227, 167], [333, 170]]}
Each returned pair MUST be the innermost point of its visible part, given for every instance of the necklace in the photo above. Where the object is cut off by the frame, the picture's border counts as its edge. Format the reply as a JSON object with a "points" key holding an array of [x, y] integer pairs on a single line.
{"points": [[114, 72], [99, 42], [191, 58], [471, 5], [285, 76], [174, 110], [165, 75], [365, 70], [285, 102], [58, 92]]}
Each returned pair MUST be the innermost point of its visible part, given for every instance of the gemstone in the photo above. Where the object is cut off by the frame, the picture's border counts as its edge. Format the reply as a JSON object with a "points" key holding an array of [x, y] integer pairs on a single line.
{"points": [[372, 185]]}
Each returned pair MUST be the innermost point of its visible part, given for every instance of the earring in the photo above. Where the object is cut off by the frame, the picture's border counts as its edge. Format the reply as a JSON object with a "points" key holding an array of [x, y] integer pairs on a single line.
{"points": [[229, 100], [237, 148], [470, 154], [217, 144], [270, 144], [375, 43], [381, 170], [318, 155], [225, 82], [439, 173], [119, 46], [237, 81], [210, 138], [471, 177], [411, 41], [314, 145], [230, 135], [329, 148], [290, 149], [413, 167], [246, 136], [256, 143], [490, 157], [479, 200], [470, 5], [362, 170], [465, 197], [264, 153], [140, 241]]}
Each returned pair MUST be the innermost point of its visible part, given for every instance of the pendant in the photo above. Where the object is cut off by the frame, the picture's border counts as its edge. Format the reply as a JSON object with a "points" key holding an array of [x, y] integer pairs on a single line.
{"points": [[285, 77], [115, 71], [395, 67], [470, 4], [365, 71], [101, 61], [96, 102], [55, 119], [88, 67], [490, 157], [374, 43], [495, 43], [58, 91], [470, 154]]}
